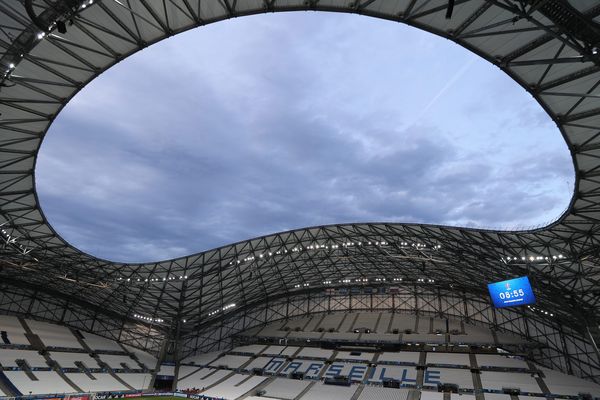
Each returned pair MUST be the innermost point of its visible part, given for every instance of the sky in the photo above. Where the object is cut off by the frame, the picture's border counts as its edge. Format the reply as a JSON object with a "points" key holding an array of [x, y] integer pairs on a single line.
{"points": [[268, 123]]}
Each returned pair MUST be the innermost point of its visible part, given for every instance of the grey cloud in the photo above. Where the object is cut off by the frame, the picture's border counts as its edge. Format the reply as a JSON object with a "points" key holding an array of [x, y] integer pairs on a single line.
{"points": [[275, 135]]}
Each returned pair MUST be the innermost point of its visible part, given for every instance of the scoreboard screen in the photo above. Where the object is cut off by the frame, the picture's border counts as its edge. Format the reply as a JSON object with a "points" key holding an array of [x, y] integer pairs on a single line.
{"points": [[511, 293]]}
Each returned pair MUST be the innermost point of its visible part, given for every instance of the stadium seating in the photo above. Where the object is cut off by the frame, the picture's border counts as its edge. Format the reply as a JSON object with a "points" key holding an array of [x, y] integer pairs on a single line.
{"points": [[281, 350], [499, 361], [366, 321], [96, 342], [234, 386], [188, 378], [116, 361], [186, 370], [504, 396], [136, 381], [434, 358], [432, 396], [354, 356], [454, 376], [68, 360], [48, 382], [204, 378], [509, 380], [314, 372], [252, 349], [562, 384], [54, 335], [380, 393], [230, 361], [102, 382], [402, 358], [145, 358], [8, 358], [68, 353], [258, 363], [382, 327], [15, 333], [331, 322], [316, 353], [403, 323], [287, 389], [407, 376], [259, 370], [201, 359], [166, 370], [319, 391]]}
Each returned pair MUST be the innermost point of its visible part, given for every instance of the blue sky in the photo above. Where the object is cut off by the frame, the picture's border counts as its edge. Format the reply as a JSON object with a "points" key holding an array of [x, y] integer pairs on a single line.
{"points": [[268, 123]]}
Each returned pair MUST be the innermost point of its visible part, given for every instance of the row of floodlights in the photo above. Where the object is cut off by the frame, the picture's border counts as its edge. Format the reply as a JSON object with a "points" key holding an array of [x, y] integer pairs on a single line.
{"points": [[13, 241], [535, 258], [364, 280], [539, 310], [299, 249], [225, 308], [170, 278], [149, 319]]}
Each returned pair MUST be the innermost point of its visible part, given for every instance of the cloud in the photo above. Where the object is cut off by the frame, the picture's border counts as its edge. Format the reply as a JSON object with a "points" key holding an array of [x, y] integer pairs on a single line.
{"points": [[268, 123]]}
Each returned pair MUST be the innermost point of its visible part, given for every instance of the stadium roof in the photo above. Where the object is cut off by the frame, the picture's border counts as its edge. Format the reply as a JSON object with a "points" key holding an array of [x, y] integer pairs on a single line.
{"points": [[549, 47]]}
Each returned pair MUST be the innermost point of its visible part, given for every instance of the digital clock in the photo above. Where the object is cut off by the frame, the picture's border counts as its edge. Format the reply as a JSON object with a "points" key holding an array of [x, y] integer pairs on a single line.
{"points": [[510, 293]]}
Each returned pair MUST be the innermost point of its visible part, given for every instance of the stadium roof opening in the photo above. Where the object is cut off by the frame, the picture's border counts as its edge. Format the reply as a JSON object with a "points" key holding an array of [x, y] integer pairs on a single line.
{"points": [[281, 121]]}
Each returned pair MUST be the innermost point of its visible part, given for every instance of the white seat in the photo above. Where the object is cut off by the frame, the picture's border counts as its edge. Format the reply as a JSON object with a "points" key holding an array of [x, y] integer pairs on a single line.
{"points": [[96, 342], [234, 386], [230, 361], [406, 357], [320, 391], [67, 360], [114, 361], [8, 358], [166, 370], [380, 393], [315, 352], [202, 358], [48, 382], [497, 360], [103, 382], [145, 358], [285, 388], [258, 362], [137, 381], [425, 395], [14, 330], [563, 384], [460, 359], [461, 377], [250, 349], [54, 335], [203, 379], [358, 356], [499, 380]]}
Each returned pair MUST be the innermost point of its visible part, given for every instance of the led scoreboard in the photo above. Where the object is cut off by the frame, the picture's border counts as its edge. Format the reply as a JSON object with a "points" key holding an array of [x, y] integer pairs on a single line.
{"points": [[510, 293]]}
